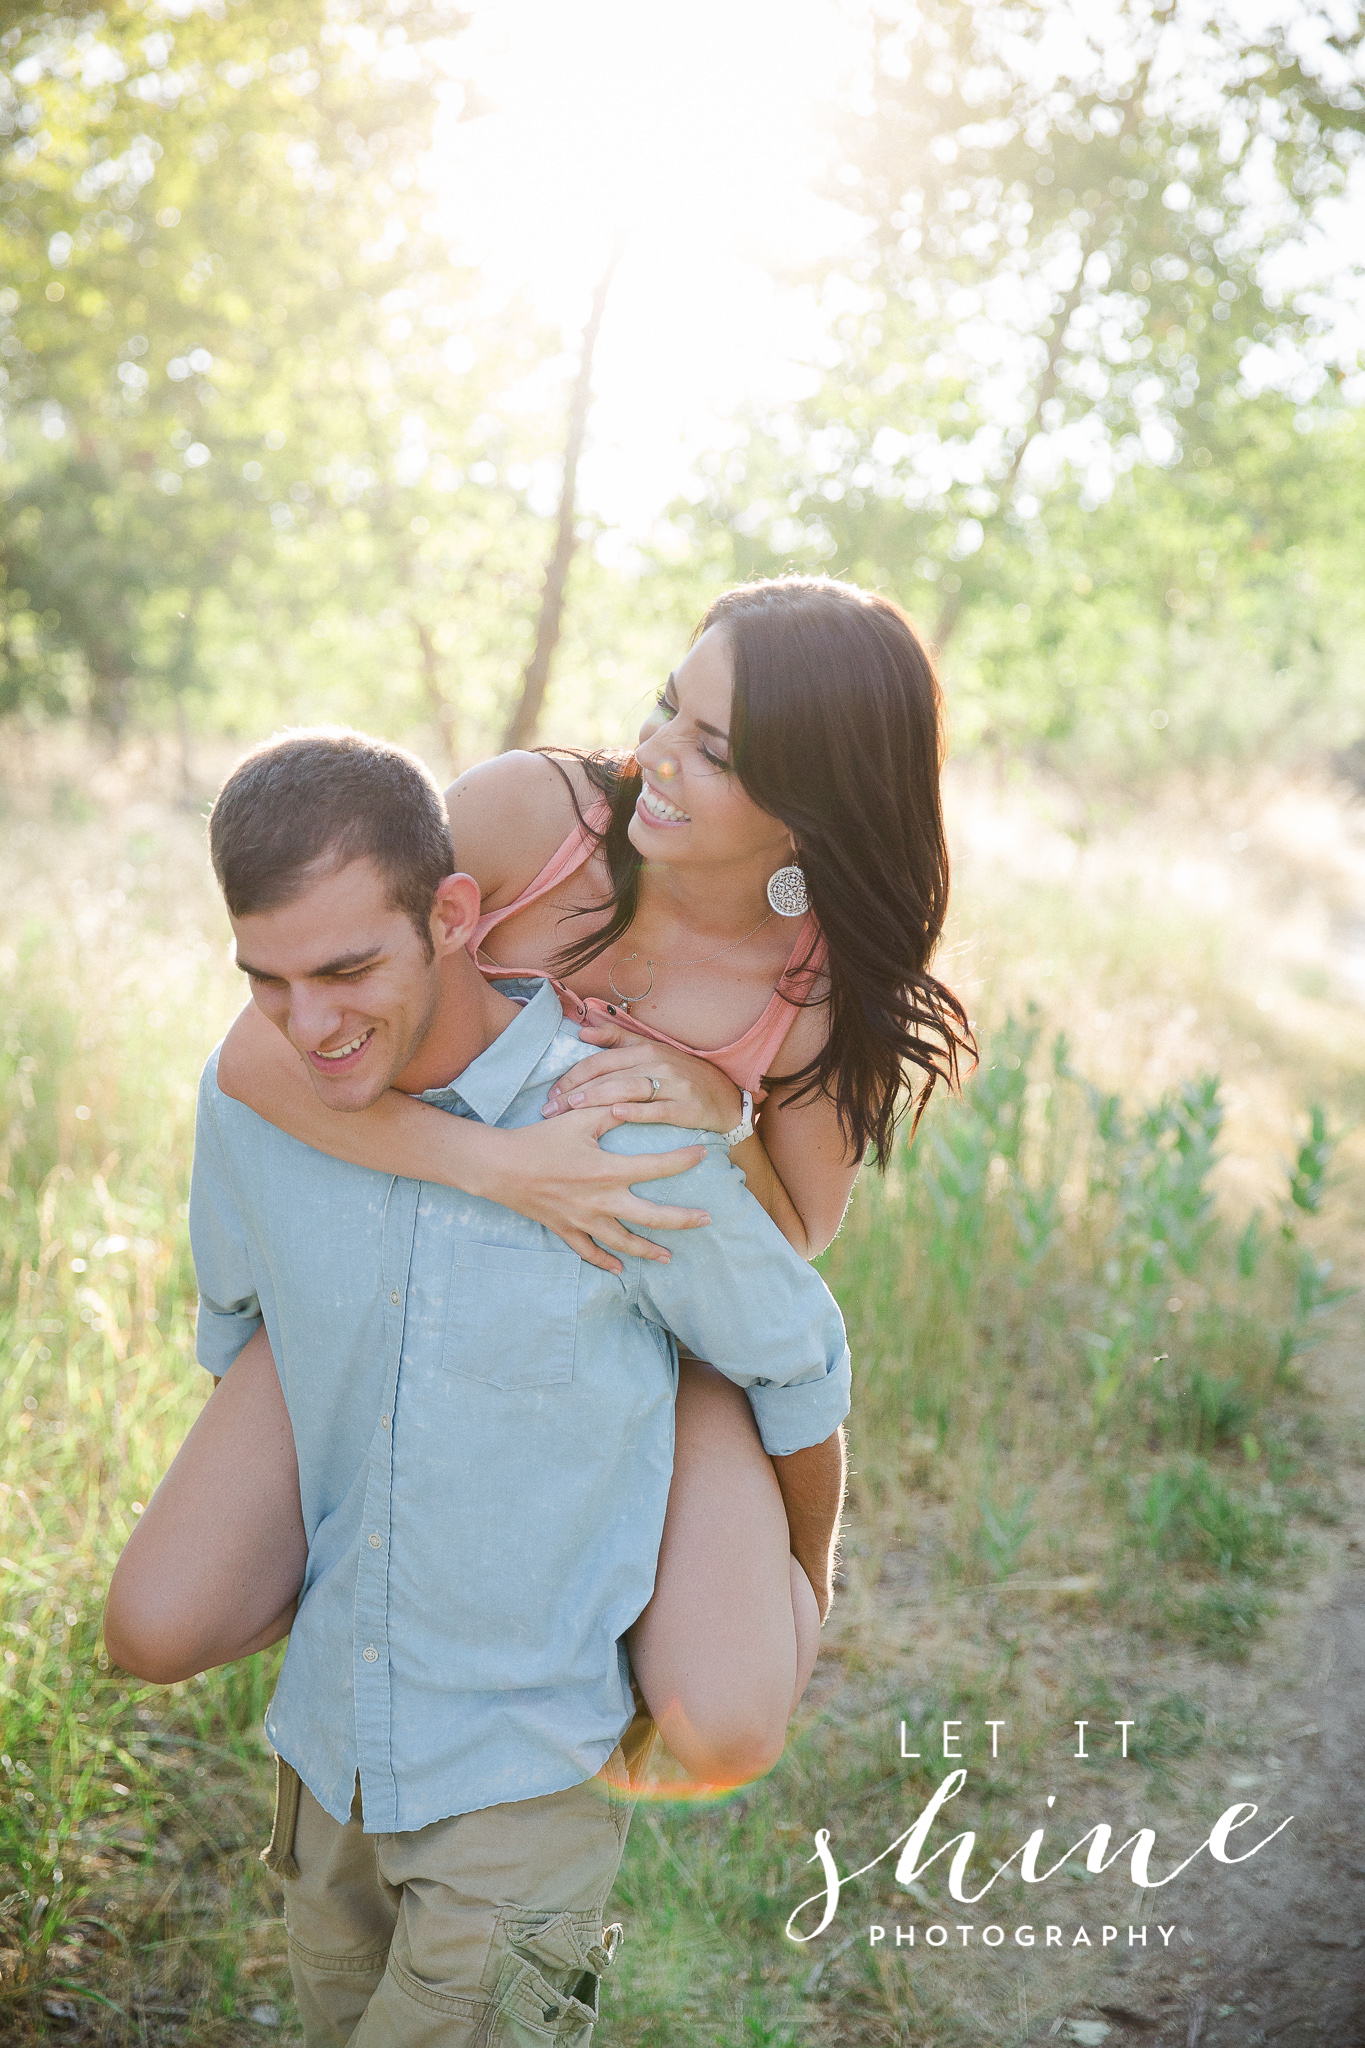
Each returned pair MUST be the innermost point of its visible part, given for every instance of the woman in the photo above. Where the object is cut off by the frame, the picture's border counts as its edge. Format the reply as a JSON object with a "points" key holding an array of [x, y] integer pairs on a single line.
{"points": [[764, 881]]}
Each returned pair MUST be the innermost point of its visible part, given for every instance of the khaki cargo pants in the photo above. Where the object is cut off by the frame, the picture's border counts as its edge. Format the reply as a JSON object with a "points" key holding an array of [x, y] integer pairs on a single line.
{"points": [[484, 1931]]}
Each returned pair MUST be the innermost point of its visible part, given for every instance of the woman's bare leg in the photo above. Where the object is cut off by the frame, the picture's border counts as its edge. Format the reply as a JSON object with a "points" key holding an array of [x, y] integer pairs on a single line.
{"points": [[214, 1568], [726, 1646]]}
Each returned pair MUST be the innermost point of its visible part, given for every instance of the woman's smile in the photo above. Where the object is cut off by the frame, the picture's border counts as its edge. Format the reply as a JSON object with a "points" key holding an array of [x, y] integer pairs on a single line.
{"points": [[657, 810]]}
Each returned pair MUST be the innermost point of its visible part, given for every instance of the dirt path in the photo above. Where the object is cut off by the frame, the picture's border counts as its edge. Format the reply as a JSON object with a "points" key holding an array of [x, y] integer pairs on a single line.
{"points": [[1274, 1953], [1285, 1940]]}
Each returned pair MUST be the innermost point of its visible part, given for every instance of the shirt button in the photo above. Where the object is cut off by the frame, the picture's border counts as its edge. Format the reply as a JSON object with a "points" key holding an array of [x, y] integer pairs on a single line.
{"points": [[376, 1541], [383, 1422], [393, 1297], [370, 1654]]}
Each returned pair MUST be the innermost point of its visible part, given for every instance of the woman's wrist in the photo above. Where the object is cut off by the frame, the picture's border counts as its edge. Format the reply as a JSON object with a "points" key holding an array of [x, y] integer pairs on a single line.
{"points": [[743, 1126], [484, 1168], [724, 1105]]}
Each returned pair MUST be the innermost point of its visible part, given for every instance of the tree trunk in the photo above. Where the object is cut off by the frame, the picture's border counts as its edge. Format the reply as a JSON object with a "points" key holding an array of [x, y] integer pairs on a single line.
{"points": [[182, 676], [185, 760], [521, 727], [107, 697], [442, 711]]}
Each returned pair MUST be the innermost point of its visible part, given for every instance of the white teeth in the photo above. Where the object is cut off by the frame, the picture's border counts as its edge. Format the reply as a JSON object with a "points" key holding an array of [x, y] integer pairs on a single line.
{"points": [[343, 1051], [658, 808]]}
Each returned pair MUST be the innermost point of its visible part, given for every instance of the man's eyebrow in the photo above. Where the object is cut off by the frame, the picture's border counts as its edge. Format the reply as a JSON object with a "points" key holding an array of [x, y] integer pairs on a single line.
{"points": [[345, 963]]}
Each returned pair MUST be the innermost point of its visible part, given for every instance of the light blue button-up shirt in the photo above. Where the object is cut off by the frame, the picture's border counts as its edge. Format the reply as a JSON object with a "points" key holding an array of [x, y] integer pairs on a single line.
{"points": [[484, 1427]]}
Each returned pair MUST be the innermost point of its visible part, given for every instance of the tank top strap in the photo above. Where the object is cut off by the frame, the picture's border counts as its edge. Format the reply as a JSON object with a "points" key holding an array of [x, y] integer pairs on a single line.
{"points": [[577, 849], [749, 1058]]}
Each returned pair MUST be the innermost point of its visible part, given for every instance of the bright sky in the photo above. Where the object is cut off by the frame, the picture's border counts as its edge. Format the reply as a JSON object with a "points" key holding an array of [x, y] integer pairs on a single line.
{"points": [[690, 130]]}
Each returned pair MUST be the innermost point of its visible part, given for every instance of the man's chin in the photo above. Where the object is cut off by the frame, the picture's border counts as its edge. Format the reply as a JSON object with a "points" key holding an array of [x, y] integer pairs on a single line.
{"points": [[359, 1089], [348, 1094]]}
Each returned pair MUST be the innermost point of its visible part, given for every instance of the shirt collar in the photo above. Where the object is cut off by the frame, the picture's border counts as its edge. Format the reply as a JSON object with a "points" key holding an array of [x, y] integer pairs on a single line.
{"points": [[491, 1083]]}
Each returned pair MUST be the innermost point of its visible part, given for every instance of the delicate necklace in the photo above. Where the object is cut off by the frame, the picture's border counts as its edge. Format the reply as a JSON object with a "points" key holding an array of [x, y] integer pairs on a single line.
{"points": [[705, 961]]}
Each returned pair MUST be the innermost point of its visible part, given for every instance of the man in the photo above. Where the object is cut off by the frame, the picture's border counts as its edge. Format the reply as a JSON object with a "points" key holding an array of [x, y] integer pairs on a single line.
{"points": [[483, 1425]]}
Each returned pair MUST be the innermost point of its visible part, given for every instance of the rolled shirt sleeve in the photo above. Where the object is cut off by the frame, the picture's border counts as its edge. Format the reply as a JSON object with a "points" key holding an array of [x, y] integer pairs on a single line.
{"points": [[793, 1418], [229, 1309], [738, 1295]]}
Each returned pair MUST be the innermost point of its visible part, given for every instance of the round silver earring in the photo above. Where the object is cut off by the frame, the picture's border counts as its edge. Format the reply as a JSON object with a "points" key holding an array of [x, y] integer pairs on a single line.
{"points": [[787, 891]]}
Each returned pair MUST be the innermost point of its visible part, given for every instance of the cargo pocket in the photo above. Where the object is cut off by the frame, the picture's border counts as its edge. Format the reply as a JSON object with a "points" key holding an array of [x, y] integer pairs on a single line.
{"points": [[278, 1853], [512, 1315], [548, 1988]]}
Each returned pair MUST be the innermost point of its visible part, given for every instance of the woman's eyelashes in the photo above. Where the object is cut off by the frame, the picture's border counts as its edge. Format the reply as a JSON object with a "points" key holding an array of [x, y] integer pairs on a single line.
{"points": [[670, 712]]}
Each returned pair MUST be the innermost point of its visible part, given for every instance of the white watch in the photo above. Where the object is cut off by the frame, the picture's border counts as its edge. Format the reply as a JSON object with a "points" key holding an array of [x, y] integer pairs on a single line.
{"points": [[745, 1127]]}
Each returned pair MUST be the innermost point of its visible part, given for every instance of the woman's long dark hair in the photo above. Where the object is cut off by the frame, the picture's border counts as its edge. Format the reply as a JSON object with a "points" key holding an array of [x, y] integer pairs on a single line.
{"points": [[837, 729]]}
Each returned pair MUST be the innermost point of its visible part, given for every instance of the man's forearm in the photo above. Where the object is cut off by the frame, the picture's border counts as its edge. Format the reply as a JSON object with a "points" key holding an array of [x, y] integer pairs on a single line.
{"points": [[812, 1483]]}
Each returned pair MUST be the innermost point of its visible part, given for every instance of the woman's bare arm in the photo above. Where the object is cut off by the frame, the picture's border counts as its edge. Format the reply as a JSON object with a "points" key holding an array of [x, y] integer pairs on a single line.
{"points": [[556, 1173], [507, 818], [507, 815], [809, 1214], [804, 1153]]}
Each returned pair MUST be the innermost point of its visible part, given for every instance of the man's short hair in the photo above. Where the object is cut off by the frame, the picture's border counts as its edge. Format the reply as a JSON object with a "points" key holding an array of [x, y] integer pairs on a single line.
{"points": [[309, 802]]}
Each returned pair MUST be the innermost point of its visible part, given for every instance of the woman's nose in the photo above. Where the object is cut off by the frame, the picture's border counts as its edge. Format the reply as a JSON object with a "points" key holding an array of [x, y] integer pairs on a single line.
{"points": [[661, 762]]}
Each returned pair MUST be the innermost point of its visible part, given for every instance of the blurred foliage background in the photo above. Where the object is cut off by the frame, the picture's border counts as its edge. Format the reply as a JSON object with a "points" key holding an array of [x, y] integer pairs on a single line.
{"points": [[1080, 382]]}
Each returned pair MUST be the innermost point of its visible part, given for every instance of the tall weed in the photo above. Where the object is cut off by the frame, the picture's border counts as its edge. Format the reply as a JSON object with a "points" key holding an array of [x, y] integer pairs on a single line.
{"points": [[1053, 1279]]}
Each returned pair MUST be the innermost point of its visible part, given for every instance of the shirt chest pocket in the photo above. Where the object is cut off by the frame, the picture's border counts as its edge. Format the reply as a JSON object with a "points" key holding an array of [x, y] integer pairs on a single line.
{"points": [[512, 1315]]}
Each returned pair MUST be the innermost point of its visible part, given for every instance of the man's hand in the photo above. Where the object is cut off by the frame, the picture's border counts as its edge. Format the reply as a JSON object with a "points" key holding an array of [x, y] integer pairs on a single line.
{"points": [[812, 1484]]}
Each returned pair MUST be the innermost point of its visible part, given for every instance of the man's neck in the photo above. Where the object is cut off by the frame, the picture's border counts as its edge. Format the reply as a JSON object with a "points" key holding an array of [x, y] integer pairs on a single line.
{"points": [[469, 1015]]}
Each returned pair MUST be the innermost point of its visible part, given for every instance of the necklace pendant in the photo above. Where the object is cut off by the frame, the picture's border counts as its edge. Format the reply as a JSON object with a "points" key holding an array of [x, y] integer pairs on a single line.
{"points": [[625, 1001]]}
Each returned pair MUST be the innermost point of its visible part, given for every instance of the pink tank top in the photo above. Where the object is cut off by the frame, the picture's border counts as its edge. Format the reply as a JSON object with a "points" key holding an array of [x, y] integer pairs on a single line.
{"points": [[748, 1058]]}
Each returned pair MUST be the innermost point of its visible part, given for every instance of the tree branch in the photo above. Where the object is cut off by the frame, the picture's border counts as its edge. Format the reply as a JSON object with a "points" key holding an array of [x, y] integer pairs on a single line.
{"points": [[951, 609]]}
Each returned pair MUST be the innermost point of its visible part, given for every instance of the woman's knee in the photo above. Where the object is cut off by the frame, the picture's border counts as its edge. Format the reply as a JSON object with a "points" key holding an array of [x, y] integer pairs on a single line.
{"points": [[725, 1750], [728, 1727]]}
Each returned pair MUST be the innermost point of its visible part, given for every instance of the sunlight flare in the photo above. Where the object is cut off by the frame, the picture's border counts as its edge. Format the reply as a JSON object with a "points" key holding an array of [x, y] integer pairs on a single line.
{"points": [[692, 139]]}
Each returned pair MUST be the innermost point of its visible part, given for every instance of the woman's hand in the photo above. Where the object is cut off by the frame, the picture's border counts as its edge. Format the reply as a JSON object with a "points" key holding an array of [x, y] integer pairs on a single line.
{"points": [[563, 1178], [555, 1174], [690, 1093]]}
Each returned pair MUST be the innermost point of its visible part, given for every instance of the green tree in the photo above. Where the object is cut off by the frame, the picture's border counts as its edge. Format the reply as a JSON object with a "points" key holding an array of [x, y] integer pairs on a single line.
{"points": [[1064, 290], [261, 431]]}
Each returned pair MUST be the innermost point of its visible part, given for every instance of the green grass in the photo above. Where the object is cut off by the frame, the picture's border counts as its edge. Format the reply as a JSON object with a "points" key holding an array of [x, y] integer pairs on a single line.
{"points": [[1084, 1440], [1047, 1251], [129, 1817]]}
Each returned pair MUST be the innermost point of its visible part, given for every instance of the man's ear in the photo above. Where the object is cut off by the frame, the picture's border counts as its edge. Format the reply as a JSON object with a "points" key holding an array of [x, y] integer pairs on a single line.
{"points": [[454, 913]]}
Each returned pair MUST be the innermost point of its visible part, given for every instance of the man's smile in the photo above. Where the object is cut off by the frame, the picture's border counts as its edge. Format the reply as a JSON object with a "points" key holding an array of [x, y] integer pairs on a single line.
{"points": [[336, 1061]]}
